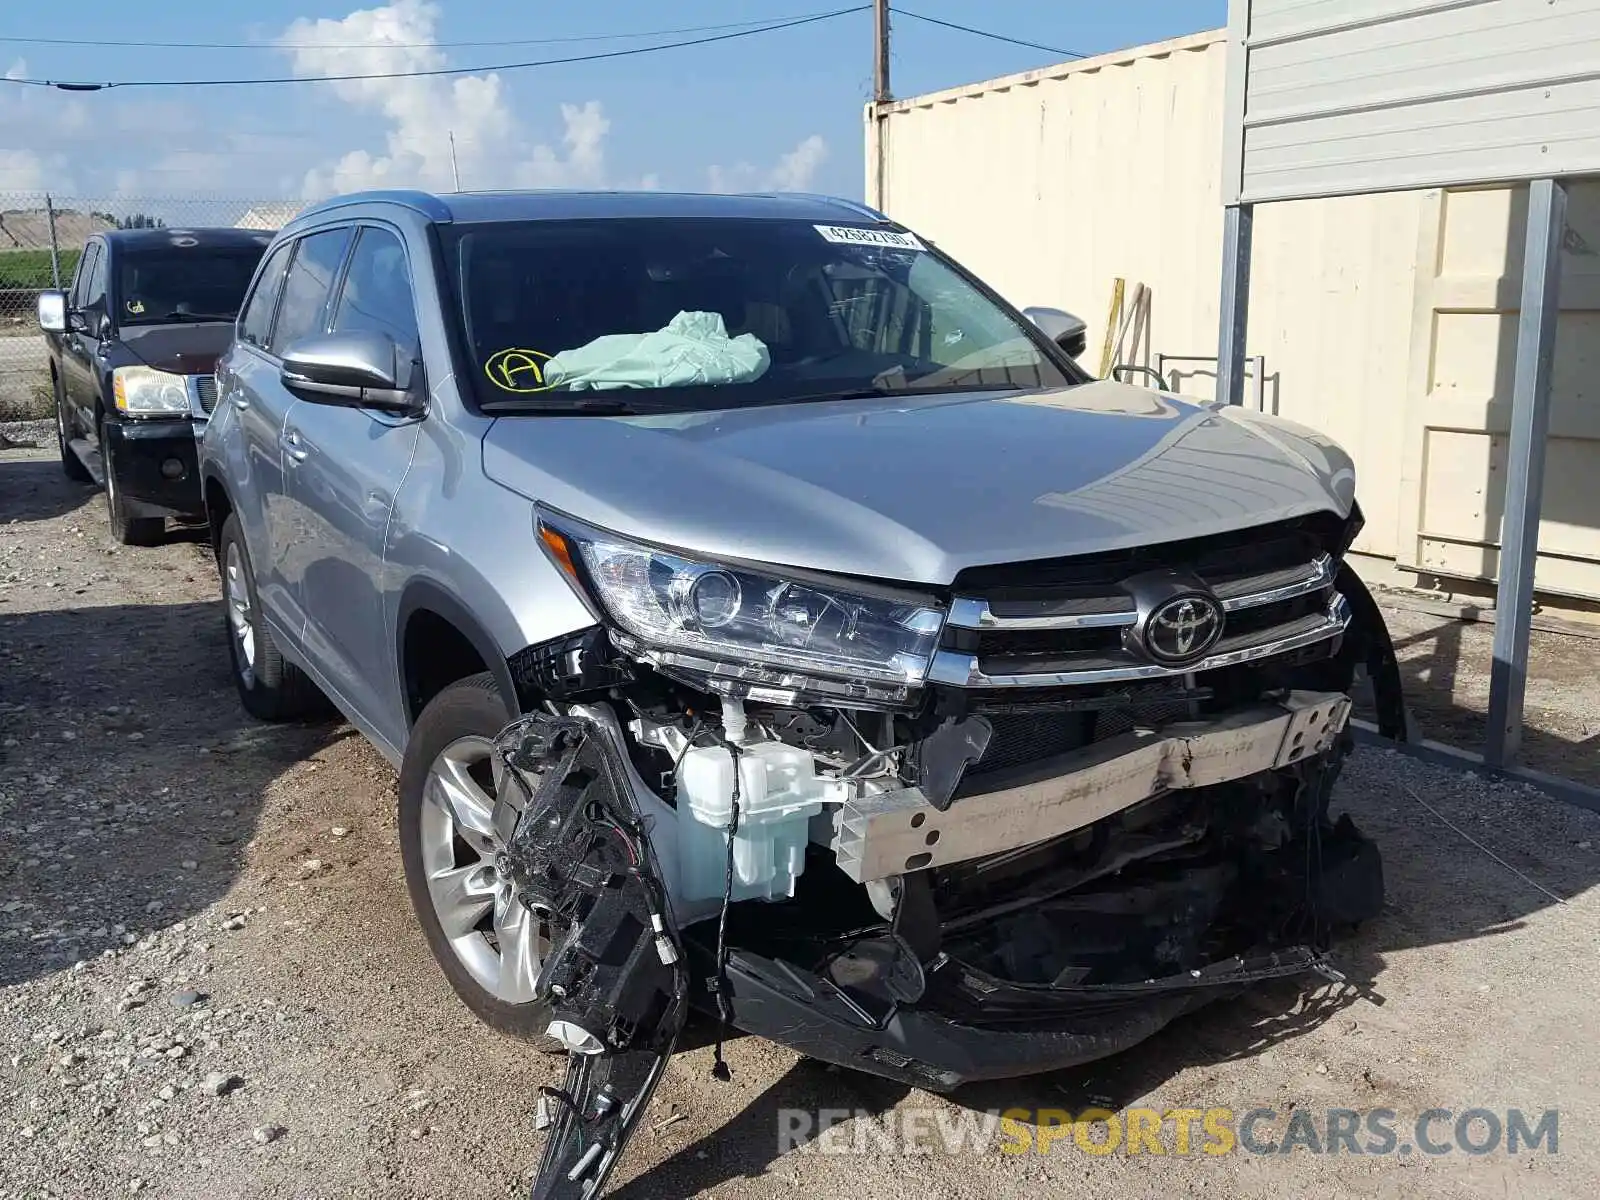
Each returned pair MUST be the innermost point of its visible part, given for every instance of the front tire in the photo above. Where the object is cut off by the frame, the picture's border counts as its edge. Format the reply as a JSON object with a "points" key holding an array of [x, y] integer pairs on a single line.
{"points": [[71, 465], [486, 942], [126, 529], [270, 688]]}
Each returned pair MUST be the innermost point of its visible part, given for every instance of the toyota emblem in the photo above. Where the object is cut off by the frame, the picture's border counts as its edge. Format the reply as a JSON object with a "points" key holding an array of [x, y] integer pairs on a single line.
{"points": [[1183, 629]]}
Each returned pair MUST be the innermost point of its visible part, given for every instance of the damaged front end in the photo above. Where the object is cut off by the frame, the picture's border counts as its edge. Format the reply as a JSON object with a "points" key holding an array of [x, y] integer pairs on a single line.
{"points": [[1050, 849]]}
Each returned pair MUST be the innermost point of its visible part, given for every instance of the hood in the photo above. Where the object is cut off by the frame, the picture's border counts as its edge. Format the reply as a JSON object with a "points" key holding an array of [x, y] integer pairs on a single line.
{"points": [[917, 489], [181, 349]]}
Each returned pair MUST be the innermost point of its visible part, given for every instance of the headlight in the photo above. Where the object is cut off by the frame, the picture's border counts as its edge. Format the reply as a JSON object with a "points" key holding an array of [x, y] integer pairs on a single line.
{"points": [[743, 614], [146, 392]]}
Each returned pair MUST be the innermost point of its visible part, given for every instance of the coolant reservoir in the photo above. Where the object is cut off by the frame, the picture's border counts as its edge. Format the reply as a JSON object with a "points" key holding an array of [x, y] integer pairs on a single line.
{"points": [[779, 793]]}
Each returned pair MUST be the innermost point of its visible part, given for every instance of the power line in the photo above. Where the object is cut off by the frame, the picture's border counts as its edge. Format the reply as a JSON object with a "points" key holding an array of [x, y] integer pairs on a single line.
{"points": [[999, 37], [72, 86], [545, 41]]}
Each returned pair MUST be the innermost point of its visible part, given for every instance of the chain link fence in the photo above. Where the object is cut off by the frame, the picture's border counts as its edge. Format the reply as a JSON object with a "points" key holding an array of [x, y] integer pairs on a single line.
{"points": [[41, 238]]}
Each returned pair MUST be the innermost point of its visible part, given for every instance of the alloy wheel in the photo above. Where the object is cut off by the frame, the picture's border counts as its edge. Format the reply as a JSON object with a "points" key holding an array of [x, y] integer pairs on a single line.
{"points": [[240, 618], [491, 931]]}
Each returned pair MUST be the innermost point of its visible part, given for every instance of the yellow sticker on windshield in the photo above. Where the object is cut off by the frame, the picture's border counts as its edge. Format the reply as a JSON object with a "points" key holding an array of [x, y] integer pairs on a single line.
{"points": [[517, 370], [136, 306]]}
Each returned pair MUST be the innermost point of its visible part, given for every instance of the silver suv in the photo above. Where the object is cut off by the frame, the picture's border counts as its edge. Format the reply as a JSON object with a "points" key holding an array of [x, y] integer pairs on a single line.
{"points": [[765, 617]]}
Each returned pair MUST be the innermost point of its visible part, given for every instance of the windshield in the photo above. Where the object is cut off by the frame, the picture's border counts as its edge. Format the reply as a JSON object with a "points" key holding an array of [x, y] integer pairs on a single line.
{"points": [[160, 287], [692, 314]]}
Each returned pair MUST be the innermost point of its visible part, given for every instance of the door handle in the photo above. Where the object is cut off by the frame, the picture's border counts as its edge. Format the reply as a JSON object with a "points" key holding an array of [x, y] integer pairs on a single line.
{"points": [[294, 447]]}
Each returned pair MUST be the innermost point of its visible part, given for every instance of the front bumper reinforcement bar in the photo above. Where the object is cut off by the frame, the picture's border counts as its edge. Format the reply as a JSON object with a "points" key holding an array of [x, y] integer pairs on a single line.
{"points": [[893, 832]]}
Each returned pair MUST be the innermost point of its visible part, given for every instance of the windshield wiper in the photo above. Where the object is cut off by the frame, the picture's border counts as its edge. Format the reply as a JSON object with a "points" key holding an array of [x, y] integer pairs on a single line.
{"points": [[569, 405], [178, 318], [875, 393]]}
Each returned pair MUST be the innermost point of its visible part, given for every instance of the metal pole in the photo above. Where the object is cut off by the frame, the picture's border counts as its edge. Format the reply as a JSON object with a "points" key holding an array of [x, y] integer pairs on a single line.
{"points": [[55, 249], [1238, 223], [455, 168], [1530, 428], [881, 95]]}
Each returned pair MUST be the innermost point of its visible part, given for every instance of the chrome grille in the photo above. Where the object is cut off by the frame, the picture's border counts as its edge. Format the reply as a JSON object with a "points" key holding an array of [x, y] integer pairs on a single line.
{"points": [[1277, 597], [205, 389]]}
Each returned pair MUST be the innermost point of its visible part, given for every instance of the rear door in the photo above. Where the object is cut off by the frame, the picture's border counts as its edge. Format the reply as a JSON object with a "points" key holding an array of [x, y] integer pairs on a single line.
{"points": [[342, 467], [262, 405]]}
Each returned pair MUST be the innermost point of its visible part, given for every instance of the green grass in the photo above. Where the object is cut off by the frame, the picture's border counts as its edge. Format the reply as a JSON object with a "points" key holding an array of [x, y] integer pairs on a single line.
{"points": [[31, 268]]}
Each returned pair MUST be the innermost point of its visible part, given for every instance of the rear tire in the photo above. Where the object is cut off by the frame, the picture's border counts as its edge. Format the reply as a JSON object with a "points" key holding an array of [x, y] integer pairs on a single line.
{"points": [[125, 529], [270, 688], [466, 714], [71, 465]]}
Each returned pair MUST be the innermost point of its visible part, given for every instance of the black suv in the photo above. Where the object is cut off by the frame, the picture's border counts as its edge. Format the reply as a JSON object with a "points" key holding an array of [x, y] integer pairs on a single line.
{"points": [[132, 346]]}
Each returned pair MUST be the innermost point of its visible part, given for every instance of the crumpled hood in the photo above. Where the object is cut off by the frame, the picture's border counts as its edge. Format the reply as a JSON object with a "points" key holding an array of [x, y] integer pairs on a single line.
{"points": [[918, 488], [181, 349]]}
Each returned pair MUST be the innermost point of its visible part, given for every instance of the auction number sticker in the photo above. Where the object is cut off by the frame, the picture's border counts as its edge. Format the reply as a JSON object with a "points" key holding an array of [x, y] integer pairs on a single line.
{"points": [[517, 370], [854, 235]]}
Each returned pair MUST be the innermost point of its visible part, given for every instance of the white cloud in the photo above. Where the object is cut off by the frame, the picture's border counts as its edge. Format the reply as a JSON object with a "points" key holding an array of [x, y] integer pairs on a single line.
{"points": [[422, 113], [102, 148], [796, 169], [793, 172], [584, 139], [22, 171]]}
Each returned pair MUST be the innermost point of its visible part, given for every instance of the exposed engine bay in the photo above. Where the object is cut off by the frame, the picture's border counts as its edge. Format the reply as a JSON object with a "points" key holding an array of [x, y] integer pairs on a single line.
{"points": [[968, 884]]}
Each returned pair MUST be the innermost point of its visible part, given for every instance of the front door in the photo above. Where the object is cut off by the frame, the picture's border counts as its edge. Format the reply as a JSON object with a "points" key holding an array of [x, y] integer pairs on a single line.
{"points": [[343, 467], [80, 350]]}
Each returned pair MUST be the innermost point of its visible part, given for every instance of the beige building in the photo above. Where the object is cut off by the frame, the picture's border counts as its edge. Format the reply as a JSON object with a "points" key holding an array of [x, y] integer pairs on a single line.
{"points": [[1386, 321]]}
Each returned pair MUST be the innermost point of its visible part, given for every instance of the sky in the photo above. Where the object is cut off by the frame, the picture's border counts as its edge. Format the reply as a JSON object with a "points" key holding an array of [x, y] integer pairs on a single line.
{"points": [[777, 111]]}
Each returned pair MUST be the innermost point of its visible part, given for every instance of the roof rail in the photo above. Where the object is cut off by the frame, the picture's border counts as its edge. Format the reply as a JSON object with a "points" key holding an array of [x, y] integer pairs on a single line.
{"points": [[426, 203], [857, 206]]}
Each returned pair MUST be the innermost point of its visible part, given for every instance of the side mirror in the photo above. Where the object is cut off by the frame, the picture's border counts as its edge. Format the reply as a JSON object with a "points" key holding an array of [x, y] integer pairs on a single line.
{"points": [[357, 369], [1062, 328], [52, 309]]}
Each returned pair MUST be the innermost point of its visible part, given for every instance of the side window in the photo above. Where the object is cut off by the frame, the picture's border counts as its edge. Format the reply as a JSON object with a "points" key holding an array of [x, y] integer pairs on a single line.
{"points": [[80, 280], [377, 291], [255, 323], [306, 286], [94, 294]]}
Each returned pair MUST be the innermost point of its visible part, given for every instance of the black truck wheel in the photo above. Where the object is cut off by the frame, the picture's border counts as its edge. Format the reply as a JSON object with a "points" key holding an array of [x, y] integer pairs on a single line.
{"points": [[126, 529]]}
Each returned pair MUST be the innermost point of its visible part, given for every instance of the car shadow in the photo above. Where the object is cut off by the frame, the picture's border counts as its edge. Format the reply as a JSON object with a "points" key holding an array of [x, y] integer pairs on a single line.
{"points": [[747, 1146], [34, 489], [130, 776]]}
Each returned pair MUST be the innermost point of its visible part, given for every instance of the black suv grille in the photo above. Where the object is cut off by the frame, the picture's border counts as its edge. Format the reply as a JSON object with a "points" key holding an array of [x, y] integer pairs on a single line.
{"points": [[206, 388]]}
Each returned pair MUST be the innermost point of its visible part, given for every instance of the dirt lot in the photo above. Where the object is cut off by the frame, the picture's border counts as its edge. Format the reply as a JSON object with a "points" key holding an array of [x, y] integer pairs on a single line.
{"points": [[192, 902], [1446, 667]]}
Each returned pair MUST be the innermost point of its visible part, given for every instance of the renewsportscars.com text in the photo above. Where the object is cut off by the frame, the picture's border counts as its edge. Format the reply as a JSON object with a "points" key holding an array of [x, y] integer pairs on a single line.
{"points": [[1210, 1132]]}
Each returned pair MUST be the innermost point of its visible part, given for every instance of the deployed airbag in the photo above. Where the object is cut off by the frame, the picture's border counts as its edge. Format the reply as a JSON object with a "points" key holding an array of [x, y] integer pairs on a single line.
{"points": [[694, 348]]}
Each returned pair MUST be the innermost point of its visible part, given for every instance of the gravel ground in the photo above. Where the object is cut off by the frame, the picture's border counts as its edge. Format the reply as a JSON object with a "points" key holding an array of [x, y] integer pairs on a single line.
{"points": [[24, 374], [211, 984]]}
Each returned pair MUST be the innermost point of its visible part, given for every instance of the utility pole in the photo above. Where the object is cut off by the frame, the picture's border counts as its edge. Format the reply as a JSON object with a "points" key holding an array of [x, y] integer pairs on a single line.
{"points": [[881, 95], [880, 33], [455, 167]]}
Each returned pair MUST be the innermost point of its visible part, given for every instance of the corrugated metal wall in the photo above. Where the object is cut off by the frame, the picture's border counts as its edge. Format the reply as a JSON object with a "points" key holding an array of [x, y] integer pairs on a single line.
{"points": [[1052, 184], [1347, 96]]}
